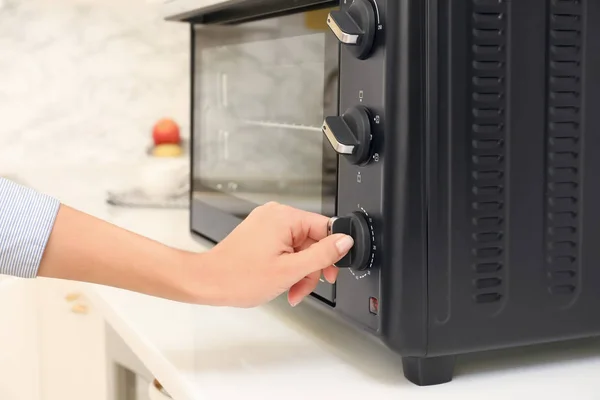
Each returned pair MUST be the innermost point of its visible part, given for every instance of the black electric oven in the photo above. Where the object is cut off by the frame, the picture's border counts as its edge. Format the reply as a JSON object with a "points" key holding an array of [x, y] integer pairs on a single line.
{"points": [[452, 139]]}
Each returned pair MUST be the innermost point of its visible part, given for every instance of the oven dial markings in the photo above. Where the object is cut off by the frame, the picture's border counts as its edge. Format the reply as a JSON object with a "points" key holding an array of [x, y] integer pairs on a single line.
{"points": [[367, 271]]}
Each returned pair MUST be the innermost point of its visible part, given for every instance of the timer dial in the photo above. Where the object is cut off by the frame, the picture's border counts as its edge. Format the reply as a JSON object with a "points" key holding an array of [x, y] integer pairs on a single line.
{"points": [[350, 134], [357, 226], [355, 27]]}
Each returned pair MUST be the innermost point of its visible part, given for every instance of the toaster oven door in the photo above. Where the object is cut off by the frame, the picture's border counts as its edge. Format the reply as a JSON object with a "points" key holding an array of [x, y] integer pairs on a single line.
{"points": [[260, 92]]}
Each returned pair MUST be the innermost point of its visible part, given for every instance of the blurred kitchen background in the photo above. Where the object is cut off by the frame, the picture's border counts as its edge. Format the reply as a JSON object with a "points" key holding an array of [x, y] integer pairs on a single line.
{"points": [[82, 83]]}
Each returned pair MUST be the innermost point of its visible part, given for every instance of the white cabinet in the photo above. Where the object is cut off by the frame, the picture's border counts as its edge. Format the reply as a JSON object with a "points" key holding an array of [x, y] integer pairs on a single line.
{"points": [[71, 341], [55, 346], [19, 376], [52, 342], [128, 377]]}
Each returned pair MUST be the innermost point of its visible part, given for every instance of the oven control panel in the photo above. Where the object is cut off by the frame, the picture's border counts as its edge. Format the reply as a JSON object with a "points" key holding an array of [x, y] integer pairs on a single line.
{"points": [[357, 136]]}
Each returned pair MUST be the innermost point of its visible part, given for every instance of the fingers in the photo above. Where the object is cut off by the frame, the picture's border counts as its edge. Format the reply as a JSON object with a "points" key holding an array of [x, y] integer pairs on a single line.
{"points": [[305, 224], [303, 246], [330, 274], [315, 225], [303, 288], [320, 255]]}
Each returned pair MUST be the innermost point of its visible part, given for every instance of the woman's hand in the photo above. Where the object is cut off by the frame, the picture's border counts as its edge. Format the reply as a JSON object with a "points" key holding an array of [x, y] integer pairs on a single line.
{"points": [[275, 249]]}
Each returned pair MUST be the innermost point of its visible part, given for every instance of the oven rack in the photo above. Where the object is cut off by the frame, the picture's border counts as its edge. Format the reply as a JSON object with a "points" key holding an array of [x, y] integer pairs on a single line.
{"points": [[280, 125]]}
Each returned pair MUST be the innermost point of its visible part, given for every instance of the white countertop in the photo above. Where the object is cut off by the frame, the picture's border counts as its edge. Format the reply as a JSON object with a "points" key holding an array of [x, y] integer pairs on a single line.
{"points": [[275, 352]]}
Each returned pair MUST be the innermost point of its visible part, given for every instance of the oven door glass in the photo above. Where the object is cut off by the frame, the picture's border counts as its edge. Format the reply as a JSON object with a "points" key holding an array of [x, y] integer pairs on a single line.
{"points": [[260, 92]]}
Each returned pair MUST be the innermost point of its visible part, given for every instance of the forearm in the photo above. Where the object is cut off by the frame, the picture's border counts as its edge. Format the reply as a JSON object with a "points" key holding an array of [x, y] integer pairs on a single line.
{"points": [[84, 248], [41, 237]]}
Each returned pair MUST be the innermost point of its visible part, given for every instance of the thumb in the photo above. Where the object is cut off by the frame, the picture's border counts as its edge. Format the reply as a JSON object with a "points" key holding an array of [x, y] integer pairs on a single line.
{"points": [[322, 254]]}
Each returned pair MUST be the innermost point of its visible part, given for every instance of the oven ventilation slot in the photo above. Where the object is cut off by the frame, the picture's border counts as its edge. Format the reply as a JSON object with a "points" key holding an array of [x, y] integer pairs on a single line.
{"points": [[487, 152], [563, 150]]}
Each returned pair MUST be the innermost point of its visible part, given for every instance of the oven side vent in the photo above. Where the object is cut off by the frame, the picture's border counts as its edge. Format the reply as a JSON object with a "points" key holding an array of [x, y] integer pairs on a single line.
{"points": [[563, 153], [487, 150]]}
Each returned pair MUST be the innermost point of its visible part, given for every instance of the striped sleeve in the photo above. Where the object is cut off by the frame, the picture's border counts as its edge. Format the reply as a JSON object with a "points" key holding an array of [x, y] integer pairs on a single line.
{"points": [[26, 221]]}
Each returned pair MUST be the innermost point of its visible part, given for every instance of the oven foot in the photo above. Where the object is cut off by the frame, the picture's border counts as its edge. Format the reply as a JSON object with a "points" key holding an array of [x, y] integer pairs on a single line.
{"points": [[429, 371]]}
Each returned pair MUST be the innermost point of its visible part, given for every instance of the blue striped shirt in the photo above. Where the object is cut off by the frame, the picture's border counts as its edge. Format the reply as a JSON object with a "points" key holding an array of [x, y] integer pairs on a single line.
{"points": [[26, 221]]}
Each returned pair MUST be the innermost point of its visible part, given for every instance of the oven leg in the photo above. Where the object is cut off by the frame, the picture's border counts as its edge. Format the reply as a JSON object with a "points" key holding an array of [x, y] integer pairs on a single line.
{"points": [[429, 371]]}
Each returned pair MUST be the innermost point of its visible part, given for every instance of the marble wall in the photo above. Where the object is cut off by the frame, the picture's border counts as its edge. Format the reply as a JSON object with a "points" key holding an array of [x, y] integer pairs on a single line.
{"points": [[82, 81]]}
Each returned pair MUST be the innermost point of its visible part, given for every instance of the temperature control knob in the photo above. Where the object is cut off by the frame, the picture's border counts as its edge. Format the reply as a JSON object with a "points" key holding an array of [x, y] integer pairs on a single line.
{"points": [[357, 226], [350, 134], [355, 27]]}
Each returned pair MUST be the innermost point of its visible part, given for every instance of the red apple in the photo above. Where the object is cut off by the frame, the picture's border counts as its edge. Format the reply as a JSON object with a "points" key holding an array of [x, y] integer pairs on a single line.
{"points": [[166, 131]]}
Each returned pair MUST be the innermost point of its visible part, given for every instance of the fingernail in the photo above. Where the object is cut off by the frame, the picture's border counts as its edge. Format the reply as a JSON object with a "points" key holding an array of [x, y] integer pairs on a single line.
{"points": [[344, 244], [295, 303]]}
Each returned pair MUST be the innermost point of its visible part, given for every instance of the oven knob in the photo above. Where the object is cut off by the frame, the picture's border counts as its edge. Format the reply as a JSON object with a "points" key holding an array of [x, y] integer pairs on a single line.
{"points": [[350, 134], [355, 27], [357, 226]]}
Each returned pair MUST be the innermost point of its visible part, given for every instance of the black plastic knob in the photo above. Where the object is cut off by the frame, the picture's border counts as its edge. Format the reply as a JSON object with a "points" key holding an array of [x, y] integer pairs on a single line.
{"points": [[355, 27], [350, 134], [357, 226]]}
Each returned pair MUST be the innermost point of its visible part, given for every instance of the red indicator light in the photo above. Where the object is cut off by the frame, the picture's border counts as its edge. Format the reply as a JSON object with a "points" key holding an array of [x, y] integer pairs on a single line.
{"points": [[373, 305]]}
